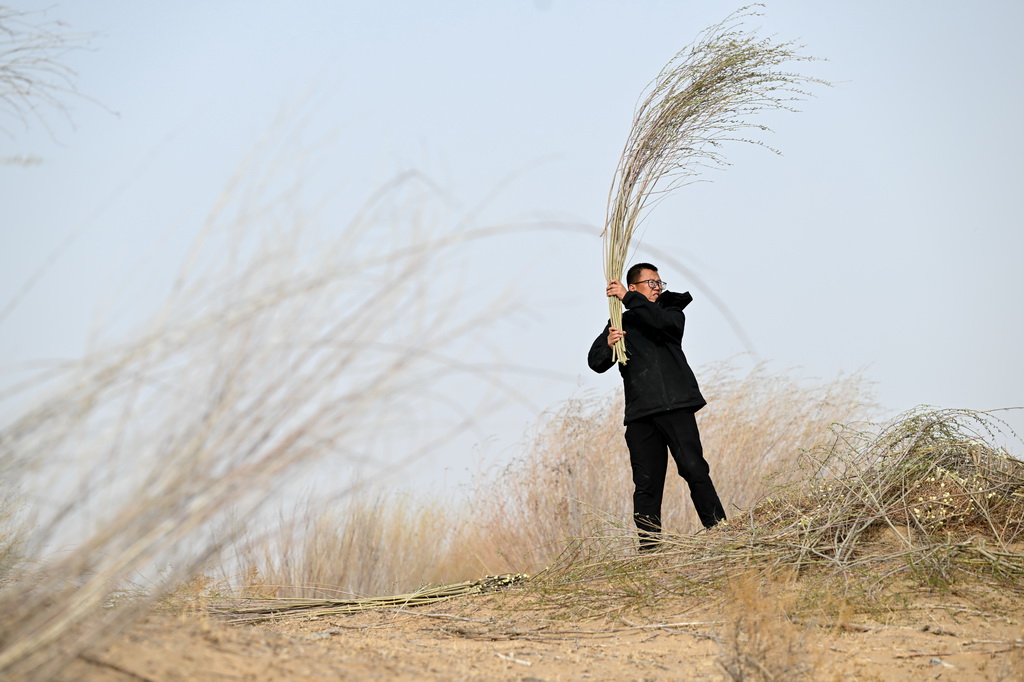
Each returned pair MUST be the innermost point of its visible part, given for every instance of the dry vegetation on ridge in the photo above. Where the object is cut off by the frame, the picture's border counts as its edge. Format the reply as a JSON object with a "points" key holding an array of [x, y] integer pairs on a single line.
{"points": [[887, 554], [907, 540]]}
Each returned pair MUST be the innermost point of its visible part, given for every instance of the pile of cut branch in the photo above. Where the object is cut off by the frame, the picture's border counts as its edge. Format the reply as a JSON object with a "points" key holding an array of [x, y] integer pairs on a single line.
{"points": [[932, 498]]}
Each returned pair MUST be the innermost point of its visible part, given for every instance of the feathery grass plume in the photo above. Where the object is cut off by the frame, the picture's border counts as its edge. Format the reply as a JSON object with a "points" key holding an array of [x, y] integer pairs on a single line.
{"points": [[704, 97]]}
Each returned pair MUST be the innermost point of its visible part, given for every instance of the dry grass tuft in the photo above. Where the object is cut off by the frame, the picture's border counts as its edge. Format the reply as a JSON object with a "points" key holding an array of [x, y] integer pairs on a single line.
{"points": [[838, 532], [759, 641], [367, 544]]}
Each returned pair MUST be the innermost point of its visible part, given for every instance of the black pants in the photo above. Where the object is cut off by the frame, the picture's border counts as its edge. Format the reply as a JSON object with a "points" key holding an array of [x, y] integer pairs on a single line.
{"points": [[649, 440]]}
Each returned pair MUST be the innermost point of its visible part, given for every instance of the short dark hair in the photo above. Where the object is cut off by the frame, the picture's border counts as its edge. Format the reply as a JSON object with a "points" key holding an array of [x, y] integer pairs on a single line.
{"points": [[634, 272]]}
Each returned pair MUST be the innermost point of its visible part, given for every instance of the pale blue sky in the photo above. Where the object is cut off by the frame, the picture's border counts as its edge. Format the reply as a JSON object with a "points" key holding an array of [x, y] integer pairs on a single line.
{"points": [[886, 238]]}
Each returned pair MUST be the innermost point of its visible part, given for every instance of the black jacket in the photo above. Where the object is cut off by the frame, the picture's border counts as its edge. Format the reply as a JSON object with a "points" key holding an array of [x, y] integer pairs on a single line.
{"points": [[656, 377]]}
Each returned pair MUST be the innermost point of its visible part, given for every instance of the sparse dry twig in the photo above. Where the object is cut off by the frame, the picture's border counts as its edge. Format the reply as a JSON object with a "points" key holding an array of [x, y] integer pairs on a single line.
{"points": [[34, 74]]}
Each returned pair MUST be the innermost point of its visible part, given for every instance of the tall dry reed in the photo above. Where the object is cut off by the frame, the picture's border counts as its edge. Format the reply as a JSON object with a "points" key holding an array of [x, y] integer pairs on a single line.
{"points": [[707, 95], [371, 543]]}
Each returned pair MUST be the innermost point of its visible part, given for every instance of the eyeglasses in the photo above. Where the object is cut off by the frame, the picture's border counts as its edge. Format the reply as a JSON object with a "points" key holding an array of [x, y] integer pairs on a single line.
{"points": [[654, 284]]}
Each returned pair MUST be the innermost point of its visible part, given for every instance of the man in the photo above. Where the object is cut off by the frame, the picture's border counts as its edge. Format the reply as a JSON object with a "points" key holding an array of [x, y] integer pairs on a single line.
{"points": [[662, 398]]}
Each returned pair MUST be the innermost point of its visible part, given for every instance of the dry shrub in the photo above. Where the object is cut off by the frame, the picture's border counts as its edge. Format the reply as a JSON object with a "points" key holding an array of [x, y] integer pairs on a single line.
{"points": [[932, 483], [759, 641], [191, 597], [851, 508]]}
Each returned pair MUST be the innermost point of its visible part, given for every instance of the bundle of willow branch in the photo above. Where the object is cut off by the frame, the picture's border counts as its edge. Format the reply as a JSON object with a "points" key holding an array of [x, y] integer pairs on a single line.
{"points": [[258, 610], [704, 97]]}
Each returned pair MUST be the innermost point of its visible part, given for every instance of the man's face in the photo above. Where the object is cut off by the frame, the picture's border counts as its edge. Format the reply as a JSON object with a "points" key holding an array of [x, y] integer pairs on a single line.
{"points": [[643, 285]]}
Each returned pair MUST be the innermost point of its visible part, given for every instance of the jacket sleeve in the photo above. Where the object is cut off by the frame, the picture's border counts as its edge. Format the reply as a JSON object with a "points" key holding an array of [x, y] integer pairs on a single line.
{"points": [[668, 321], [600, 357]]}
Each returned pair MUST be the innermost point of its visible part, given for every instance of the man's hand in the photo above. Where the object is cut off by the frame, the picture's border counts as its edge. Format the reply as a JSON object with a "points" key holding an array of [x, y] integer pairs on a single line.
{"points": [[615, 289], [614, 335]]}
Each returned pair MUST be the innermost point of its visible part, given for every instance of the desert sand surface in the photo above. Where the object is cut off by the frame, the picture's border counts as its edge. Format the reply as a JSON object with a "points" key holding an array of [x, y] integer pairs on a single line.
{"points": [[923, 636]]}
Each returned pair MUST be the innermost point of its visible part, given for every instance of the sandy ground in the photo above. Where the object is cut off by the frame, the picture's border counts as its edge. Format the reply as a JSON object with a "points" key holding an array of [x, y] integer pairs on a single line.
{"points": [[933, 637]]}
